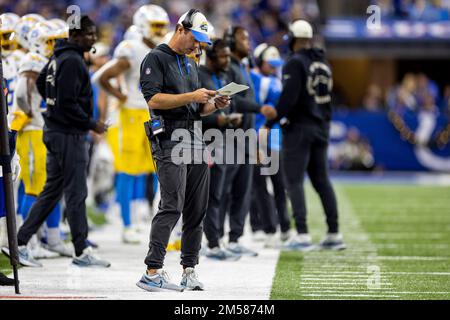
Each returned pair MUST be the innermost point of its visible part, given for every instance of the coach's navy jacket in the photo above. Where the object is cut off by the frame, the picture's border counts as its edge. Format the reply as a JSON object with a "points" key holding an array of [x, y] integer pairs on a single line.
{"points": [[65, 86]]}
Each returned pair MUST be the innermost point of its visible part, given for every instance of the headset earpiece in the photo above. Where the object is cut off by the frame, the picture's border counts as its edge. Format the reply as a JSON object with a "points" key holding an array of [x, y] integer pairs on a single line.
{"points": [[259, 59], [187, 23], [211, 50], [229, 37]]}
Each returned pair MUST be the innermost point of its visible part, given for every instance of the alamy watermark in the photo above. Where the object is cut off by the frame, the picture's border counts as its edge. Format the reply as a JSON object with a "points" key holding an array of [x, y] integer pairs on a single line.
{"points": [[374, 278], [74, 17], [374, 20], [233, 146]]}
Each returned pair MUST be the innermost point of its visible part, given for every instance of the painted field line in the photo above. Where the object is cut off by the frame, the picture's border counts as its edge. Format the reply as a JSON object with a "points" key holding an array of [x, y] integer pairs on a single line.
{"points": [[360, 274], [388, 292], [345, 289], [414, 245], [321, 269], [325, 282], [417, 258], [351, 295]]}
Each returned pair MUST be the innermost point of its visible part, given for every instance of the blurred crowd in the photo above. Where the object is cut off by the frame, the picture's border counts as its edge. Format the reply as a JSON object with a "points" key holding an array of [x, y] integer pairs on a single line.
{"points": [[416, 10], [266, 20], [415, 93]]}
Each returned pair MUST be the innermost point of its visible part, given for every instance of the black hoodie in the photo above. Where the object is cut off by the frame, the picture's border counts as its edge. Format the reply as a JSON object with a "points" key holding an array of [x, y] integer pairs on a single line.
{"points": [[165, 71], [307, 85], [65, 86]]}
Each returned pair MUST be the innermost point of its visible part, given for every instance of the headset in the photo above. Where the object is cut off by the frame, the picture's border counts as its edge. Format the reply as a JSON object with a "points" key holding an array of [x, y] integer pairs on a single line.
{"points": [[229, 36], [259, 59], [188, 22], [211, 50], [291, 40]]}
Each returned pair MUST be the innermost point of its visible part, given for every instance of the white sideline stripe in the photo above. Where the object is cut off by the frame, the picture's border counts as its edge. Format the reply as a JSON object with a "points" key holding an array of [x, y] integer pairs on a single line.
{"points": [[248, 278]]}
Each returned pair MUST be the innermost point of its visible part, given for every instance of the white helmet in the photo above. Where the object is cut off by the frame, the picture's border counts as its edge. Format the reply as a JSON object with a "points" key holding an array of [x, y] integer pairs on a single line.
{"points": [[7, 39], [62, 28], [41, 38], [99, 49], [24, 26], [152, 22], [132, 33]]}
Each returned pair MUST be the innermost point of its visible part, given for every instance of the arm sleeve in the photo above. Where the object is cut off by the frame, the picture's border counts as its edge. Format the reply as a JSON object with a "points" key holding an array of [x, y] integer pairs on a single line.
{"points": [[21, 95], [152, 77], [293, 79], [40, 82], [69, 75]]}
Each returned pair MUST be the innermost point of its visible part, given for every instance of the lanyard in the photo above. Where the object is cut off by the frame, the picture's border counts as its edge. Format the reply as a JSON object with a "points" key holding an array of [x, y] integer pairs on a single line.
{"points": [[217, 82], [186, 64]]}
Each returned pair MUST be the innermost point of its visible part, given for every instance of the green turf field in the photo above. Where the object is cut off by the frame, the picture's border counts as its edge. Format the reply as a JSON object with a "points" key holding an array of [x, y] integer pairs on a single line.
{"points": [[4, 264], [399, 247]]}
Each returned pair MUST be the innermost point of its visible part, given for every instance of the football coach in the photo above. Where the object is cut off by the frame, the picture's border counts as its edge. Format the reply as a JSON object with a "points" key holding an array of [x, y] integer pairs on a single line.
{"points": [[170, 85]]}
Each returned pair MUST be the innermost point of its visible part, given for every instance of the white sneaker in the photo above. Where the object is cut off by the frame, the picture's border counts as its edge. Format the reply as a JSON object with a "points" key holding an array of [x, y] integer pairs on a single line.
{"points": [[259, 236], [130, 236], [333, 241], [60, 248], [285, 236], [299, 242], [272, 241], [39, 252]]}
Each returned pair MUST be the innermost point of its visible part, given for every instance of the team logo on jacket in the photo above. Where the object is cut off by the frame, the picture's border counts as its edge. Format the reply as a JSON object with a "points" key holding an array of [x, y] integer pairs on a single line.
{"points": [[148, 71], [320, 82]]}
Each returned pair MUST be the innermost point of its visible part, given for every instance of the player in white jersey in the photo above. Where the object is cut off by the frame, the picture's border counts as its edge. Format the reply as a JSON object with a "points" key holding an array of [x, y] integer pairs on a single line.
{"points": [[8, 45], [152, 22], [20, 37], [30, 123]]}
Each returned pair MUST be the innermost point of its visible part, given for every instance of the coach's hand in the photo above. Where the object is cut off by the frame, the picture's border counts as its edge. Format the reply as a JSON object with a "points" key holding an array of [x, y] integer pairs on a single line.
{"points": [[100, 127], [269, 112], [222, 102], [203, 95]]}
